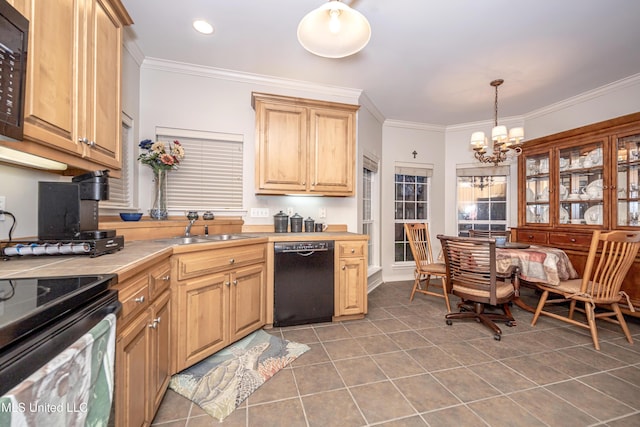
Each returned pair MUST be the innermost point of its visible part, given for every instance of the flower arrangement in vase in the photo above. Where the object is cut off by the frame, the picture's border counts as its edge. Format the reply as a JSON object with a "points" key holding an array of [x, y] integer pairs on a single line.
{"points": [[161, 157]]}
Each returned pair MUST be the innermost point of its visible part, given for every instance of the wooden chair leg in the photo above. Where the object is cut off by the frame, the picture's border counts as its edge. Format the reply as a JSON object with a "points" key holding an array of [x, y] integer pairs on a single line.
{"points": [[622, 322], [572, 308], [445, 293], [416, 283], [543, 300], [591, 319]]}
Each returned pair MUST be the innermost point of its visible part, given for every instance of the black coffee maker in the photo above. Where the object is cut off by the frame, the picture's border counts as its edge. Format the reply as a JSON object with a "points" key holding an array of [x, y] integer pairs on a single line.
{"points": [[69, 210]]}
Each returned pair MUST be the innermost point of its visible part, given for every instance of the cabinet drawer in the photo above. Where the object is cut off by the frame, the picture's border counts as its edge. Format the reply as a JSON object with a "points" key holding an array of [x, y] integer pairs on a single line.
{"points": [[134, 296], [159, 279], [570, 239], [212, 261], [528, 236], [351, 249]]}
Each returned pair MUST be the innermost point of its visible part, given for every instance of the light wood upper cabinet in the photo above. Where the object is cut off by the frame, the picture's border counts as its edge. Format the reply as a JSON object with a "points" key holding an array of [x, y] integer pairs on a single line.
{"points": [[73, 101], [304, 146]]}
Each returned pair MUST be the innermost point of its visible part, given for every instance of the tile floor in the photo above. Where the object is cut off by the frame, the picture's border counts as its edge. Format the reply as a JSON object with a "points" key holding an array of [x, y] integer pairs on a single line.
{"points": [[403, 366]]}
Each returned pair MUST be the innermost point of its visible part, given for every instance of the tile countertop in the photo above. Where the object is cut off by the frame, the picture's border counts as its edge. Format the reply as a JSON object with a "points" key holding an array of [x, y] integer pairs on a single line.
{"points": [[136, 253]]}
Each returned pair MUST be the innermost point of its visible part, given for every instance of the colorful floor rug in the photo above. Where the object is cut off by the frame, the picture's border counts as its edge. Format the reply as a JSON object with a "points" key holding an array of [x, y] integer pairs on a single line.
{"points": [[221, 382]]}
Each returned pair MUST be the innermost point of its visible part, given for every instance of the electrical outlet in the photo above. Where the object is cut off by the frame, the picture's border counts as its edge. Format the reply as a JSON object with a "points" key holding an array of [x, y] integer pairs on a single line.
{"points": [[3, 202], [322, 213], [259, 212], [290, 211]]}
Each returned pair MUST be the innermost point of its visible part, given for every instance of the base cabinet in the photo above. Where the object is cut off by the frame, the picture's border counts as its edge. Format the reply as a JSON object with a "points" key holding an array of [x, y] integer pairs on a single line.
{"points": [[214, 310], [143, 346], [351, 279]]}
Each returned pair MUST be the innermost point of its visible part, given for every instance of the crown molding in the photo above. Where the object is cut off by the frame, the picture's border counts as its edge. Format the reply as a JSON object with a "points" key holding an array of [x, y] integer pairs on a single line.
{"points": [[365, 102], [132, 47], [352, 95], [414, 125]]}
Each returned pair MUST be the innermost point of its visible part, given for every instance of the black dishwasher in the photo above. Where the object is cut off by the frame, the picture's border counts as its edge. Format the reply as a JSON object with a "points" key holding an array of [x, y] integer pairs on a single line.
{"points": [[303, 283]]}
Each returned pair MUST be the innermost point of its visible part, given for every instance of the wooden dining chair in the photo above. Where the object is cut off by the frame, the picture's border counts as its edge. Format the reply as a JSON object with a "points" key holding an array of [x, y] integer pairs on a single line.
{"points": [[490, 233], [426, 267], [472, 275], [610, 257]]}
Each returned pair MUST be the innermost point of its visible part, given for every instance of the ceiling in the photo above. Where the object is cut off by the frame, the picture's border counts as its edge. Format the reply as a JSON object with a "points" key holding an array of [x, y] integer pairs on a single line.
{"points": [[428, 61]]}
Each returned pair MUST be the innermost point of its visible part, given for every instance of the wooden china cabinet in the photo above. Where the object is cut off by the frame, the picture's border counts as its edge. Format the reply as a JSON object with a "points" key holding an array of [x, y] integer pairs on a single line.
{"points": [[581, 180]]}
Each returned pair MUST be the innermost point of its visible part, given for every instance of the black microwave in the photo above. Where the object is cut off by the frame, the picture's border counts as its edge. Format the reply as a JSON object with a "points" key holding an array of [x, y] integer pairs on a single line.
{"points": [[14, 36]]}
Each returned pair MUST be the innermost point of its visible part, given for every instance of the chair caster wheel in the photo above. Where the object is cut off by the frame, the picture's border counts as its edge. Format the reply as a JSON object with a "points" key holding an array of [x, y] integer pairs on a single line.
{"points": [[497, 337], [510, 323], [449, 322]]}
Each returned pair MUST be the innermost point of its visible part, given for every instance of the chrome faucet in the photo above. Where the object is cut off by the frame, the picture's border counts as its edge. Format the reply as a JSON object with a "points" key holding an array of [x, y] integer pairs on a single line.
{"points": [[187, 231]]}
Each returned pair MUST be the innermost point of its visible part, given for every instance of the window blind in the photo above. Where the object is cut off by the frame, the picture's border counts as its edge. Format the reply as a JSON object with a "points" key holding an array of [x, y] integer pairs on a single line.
{"points": [[120, 189], [210, 174]]}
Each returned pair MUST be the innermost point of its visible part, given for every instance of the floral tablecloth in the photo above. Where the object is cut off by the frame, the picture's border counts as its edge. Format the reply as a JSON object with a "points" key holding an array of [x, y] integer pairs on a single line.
{"points": [[538, 264]]}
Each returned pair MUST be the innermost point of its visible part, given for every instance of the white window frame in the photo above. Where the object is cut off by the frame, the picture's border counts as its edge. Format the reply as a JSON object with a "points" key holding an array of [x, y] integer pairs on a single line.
{"points": [[371, 188], [123, 191], [488, 172], [416, 169]]}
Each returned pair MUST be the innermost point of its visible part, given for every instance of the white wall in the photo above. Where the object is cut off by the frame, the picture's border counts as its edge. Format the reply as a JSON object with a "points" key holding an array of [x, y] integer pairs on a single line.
{"points": [[187, 97], [400, 140]]}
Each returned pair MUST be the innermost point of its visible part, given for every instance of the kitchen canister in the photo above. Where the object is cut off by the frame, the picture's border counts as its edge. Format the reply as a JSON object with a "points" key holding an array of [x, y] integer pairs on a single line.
{"points": [[308, 225], [296, 223], [280, 222]]}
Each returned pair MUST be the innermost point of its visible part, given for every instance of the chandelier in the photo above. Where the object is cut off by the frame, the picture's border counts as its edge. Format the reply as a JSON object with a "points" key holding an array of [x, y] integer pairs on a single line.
{"points": [[334, 30], [503, 142]]}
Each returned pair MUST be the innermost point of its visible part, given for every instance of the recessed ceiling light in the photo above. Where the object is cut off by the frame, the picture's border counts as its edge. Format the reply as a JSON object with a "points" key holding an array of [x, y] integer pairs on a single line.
{"points": [[203, 27]]}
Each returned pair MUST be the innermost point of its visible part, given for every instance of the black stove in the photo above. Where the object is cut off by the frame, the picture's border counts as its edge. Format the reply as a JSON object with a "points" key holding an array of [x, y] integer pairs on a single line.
{"points": [[40, 317]]}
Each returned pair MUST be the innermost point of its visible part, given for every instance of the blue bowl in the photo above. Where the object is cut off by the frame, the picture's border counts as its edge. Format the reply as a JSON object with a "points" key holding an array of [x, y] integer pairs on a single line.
{"points": [[128, 216]]}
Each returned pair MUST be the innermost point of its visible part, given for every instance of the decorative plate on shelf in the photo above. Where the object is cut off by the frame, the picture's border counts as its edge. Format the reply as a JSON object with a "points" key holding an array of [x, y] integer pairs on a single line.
{"points": [[596, 156], [564, 216], [564, 193], [593, 215]]}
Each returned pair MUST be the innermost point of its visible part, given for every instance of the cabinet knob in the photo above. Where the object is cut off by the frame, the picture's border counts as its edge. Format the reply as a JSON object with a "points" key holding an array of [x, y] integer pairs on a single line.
{"points": [[235, 282], [166, 278], [83, 140], [344, 267], [231, 261], [573, 240], [227, 283], [156, 320], [139, 299], [353, 251], [153, 325]]}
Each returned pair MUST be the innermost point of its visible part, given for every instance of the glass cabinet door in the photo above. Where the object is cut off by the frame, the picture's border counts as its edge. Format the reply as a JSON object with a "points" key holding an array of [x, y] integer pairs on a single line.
{"points": [[580, 188], [628, 181], [537, 189]]}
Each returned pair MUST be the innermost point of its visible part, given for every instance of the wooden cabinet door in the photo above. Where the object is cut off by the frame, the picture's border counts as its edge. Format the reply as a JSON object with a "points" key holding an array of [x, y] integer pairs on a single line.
{"points": [[100, 117], [331, 151], [202, 312], [132, 407], [51, 102], [160, 349], [247, 306], [281, 150], [352, 278]]}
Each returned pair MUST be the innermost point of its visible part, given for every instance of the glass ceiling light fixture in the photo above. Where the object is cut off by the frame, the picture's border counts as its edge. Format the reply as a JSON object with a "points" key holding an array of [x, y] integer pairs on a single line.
{"points": [[502, 141], [334, 30]]}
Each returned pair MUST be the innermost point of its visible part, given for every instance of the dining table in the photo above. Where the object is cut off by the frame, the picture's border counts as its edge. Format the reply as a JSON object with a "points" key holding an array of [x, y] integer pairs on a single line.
{"points": [[535, 264]]}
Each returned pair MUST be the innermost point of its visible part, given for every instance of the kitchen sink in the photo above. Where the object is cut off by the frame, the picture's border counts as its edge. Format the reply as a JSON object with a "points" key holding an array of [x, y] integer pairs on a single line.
{"points": [[183, 240], [223, 237]]}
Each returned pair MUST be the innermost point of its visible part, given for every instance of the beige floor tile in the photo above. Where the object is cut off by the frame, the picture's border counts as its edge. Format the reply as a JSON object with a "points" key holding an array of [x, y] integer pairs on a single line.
{"points": [[280, 386], [551, 409], [501, 411], [376, 344], [433, 358], [343, 410], [173, 407], [397, 364], [332, 332], [465, 385], [501, 377], [591, 401], [381, 402], [359, 370], [408, 339], [317, 378], [273, 414], [425, 393], [316, 354], [453, 416], [361, 328], [535, 370], [303, 336], [615, 387], [343, 349]]}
